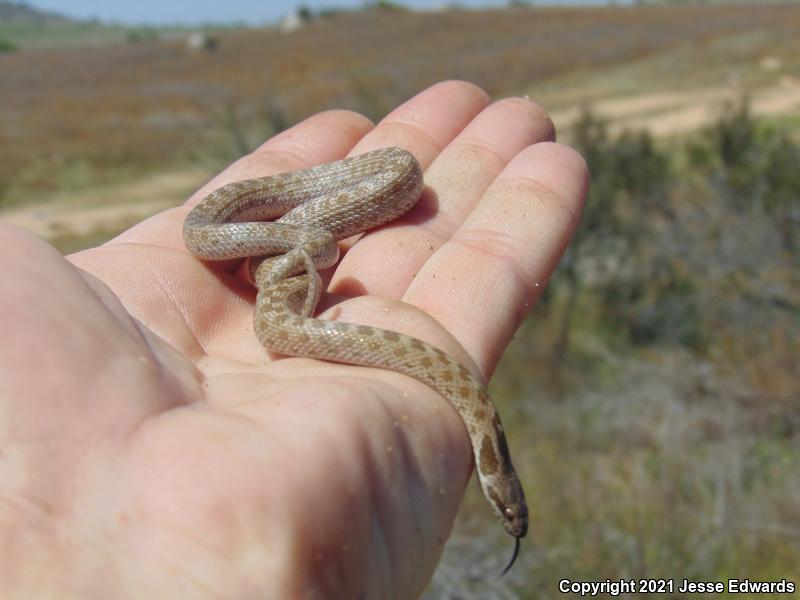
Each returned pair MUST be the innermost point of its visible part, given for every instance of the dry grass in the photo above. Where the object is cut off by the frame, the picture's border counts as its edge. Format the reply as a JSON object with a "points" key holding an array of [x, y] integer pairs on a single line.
{"points": [[80, 116]]}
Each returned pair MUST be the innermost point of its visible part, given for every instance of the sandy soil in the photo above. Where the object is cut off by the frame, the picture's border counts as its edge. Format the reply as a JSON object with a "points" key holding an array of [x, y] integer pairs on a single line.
{"points": [[664, 113], [110, 208]]}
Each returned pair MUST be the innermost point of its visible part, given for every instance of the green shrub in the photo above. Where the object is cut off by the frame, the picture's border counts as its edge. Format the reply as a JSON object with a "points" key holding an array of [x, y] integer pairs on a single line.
{"points": [[666, 254], [754, 167], [142, 35], [7, 46]]}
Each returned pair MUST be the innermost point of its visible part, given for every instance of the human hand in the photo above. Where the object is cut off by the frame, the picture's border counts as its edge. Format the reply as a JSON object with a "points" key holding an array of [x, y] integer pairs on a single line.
{"points": [[152, 447]]}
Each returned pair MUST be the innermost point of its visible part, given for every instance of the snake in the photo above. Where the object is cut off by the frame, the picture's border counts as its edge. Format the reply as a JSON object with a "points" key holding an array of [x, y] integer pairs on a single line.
{"points": [[288, 226]]}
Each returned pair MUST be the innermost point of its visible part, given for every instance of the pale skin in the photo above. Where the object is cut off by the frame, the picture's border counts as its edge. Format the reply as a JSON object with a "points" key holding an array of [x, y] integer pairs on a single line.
{"points": [[152, 448]]}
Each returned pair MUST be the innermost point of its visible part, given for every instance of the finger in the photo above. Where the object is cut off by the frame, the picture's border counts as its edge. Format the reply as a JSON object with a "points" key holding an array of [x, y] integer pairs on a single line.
{"points": [[321, 138], [429, 121], [455, 182], [173, 293], [470, 163], [482, 282], [79, 367], [424, 125]]}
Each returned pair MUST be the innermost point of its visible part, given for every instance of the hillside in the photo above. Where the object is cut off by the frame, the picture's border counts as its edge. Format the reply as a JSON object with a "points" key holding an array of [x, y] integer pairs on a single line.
{"points": [[24, 28], [20, 13]]}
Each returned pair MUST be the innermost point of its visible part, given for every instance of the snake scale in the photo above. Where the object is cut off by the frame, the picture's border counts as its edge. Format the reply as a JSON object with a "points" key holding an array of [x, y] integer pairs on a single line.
{"points": [[310, 210]]}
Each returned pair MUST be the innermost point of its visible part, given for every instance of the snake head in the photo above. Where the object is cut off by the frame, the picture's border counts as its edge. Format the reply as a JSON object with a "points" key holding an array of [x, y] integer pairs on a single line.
{"points": [[500, 482], [515, 520], [514, 516], [510, 506]]}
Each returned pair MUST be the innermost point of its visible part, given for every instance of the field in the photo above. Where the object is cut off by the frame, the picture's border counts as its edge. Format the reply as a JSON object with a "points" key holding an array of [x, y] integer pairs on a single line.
{"points": [[653, 392], [78, 116]]}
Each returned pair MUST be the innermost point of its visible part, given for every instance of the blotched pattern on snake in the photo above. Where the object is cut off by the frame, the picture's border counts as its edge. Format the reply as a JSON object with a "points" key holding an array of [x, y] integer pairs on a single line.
{"points": [[313, 209]]}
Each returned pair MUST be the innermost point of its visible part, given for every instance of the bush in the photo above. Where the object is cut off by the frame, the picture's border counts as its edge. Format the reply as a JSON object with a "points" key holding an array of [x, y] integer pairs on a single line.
{"points": [[666, 254], [7, 46], [384, 5], [142, 34], [755, 168]]}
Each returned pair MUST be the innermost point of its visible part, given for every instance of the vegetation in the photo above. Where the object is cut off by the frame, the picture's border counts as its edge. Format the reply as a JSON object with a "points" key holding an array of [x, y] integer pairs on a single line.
{"points": [[662, 439], [93, 121], [23, 27], [138, 35], [384, 5]]}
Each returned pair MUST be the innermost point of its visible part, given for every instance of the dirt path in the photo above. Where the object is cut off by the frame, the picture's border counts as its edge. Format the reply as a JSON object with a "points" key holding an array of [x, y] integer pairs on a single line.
{"points": [[665, 113], [106, 209]]}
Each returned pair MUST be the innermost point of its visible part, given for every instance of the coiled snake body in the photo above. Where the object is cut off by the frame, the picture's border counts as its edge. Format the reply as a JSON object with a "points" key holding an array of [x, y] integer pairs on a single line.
{"points": [[313, 209]]}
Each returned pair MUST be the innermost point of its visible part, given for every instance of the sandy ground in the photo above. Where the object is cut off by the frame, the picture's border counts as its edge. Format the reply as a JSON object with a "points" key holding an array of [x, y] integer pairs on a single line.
{"points": [[114, 208], [664, 113], [110, 208]]}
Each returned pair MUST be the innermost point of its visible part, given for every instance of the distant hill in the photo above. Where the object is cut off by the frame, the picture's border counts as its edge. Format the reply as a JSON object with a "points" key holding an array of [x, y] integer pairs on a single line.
{"points": [[18, 13], [24, 27]]}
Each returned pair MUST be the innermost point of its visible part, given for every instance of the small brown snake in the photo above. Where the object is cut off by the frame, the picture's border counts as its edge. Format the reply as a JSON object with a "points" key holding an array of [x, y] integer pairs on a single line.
{"points": [[313, 209]]}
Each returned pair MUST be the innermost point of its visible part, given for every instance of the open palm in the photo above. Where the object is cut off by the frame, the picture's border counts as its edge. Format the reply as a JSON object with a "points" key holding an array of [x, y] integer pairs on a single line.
{"points": [[151, 447]]}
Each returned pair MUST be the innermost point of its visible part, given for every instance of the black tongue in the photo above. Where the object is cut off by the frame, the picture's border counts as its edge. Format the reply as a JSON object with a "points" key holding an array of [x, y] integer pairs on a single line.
{"points": [[513, 557]]}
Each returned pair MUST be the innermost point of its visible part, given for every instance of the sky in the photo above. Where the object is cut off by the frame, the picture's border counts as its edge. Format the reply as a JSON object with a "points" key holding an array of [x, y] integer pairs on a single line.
{"points": [[192, 12]]}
